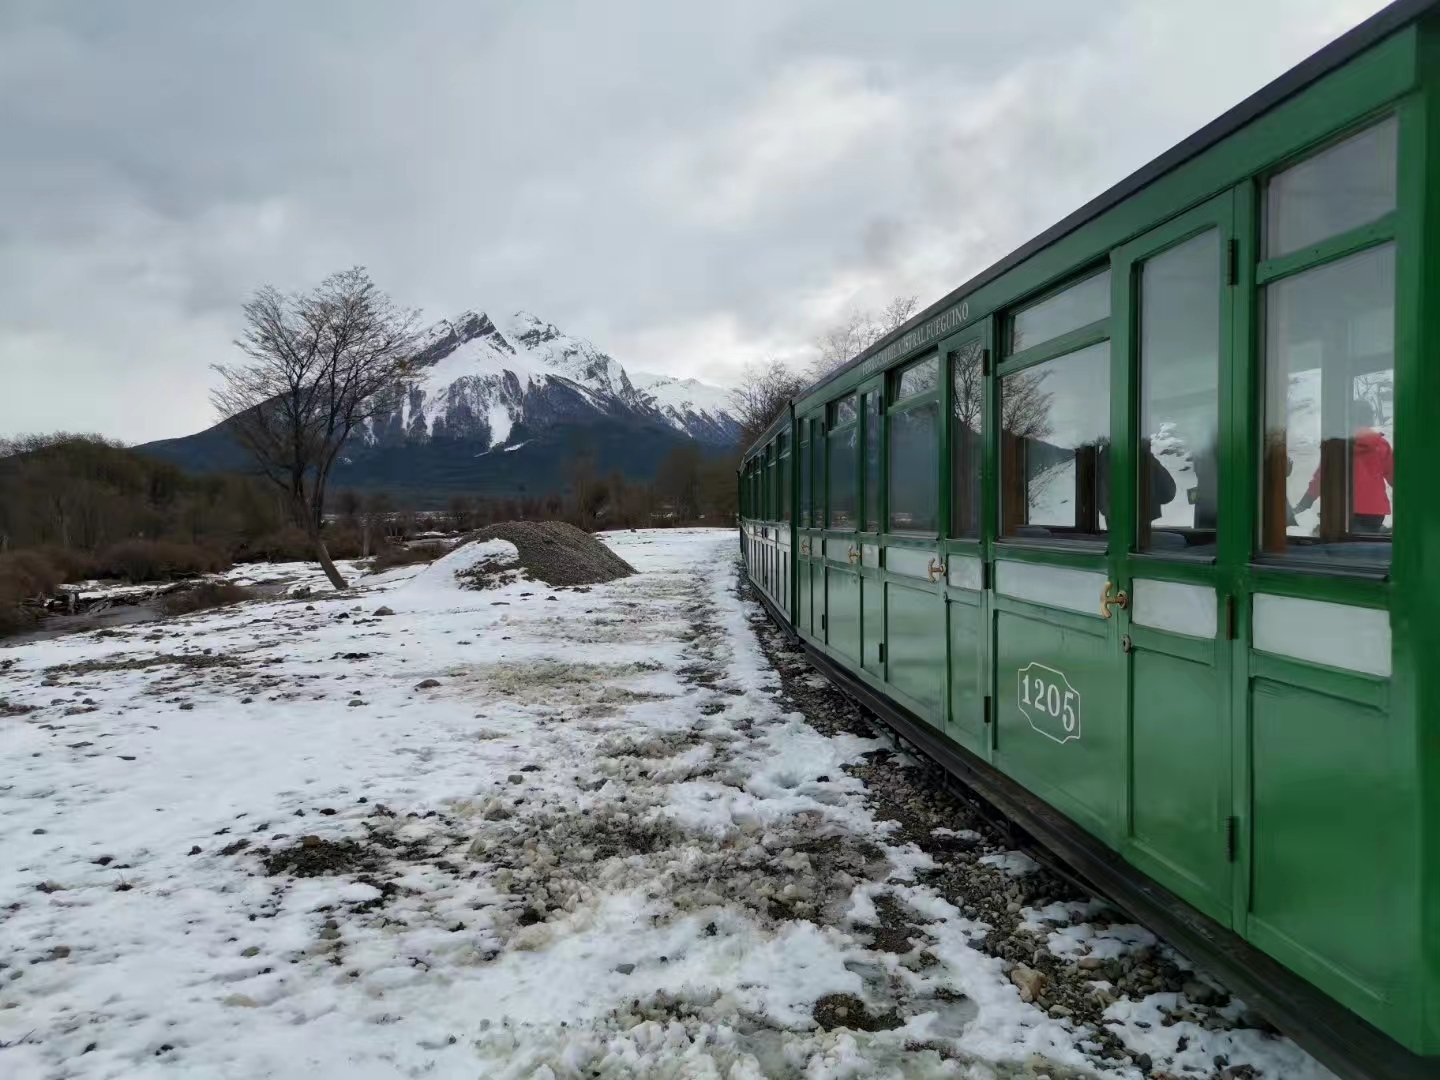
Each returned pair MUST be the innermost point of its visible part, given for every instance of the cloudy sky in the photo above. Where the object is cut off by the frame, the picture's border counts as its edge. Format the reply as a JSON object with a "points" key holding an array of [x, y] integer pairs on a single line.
{"points": [[691, 186]]}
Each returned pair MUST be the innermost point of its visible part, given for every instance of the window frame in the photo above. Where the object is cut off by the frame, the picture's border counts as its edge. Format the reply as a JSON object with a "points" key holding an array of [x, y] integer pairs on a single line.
{"points": [[1269, 272], [892, 406], [832, 429]]}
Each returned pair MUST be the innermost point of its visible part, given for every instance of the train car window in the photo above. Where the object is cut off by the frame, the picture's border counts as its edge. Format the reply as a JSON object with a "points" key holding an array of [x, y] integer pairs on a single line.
{"points": [[1054, 447], [787, 508], [1179, 432], [1330, 410], [841, 446], [804, 474], [1339, 189], [967, 437], [1081, 304], [872, 411], [914, 438]]}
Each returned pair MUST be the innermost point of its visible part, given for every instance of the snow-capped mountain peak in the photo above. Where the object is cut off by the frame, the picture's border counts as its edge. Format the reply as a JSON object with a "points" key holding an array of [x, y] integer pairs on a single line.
{"points": [[476, 381]]}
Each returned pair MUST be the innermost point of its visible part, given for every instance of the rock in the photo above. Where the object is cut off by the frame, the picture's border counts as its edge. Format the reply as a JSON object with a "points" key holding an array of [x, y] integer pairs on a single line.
{"points": [[1090, 963], [310, 841], [427, 684], [356, 703], [186, 706], [329, 934], [246, 700], [195, 850], [1029, 981], [253, 950], [384, 611], [1201, 993], [59, 952], [1060, 1011], [624, 969], [240, 1001], [516, 778], [37, 832]]}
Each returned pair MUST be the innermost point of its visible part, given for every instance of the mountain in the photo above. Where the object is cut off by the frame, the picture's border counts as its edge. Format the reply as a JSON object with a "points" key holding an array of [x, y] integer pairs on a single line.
{"points": [[504, 411]]}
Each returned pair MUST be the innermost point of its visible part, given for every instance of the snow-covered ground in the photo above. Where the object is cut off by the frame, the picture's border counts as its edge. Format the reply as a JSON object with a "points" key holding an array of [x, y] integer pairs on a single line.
{"points": [[519, 832]]}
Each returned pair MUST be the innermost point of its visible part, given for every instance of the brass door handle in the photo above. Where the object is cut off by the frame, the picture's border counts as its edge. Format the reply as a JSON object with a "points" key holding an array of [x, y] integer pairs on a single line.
{"points": [[1112, 598], [936, 570], [853, 556]]}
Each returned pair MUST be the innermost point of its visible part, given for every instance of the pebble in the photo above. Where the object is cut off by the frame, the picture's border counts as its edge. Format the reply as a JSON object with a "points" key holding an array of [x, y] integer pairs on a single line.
{"points": [[384, 611], [624, 969], [427, 684], [1029, 981]]}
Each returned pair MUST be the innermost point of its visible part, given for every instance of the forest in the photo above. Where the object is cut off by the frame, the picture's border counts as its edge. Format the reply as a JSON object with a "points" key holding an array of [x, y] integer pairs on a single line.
{"points": [[81, 507]]}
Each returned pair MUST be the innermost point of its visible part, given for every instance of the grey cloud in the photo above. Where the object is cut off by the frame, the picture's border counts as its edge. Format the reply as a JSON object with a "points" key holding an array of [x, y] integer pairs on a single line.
{"points": [[691, 186]]}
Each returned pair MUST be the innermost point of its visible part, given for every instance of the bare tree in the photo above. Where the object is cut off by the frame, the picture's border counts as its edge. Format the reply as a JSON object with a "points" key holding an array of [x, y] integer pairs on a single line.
{"points": [[316, 362], [858, 331], [765, 391]]}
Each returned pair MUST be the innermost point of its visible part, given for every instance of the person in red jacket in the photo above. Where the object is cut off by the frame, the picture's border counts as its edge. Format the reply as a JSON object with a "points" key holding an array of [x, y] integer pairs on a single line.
{"points": [[1373, 463]]}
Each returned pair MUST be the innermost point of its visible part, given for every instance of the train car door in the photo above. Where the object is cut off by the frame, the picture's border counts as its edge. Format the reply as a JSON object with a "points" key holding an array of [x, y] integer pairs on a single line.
{"points": [[842, 542], [1167, 596], [871, 521], [809, 565]]}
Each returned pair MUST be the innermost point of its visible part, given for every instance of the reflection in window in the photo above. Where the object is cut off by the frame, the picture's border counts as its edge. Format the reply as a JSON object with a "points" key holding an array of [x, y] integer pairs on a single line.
{"points": [[1330, 410], [1339, 189], [1054, 447], [872, 462], [914, 468], [919, 378], [1180, 397], [1080, 305], [804, 476], [787, 509], [966, 438], [841, 474], [842, 411]]}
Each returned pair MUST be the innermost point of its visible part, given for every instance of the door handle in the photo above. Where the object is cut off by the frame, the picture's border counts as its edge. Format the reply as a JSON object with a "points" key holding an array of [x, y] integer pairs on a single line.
{"points": [[1112, 598], [853, 556], [936, 570]]}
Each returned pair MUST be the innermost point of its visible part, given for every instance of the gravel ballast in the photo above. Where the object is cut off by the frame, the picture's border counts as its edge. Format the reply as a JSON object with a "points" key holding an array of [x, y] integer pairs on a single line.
{"points": [[558, 553]]}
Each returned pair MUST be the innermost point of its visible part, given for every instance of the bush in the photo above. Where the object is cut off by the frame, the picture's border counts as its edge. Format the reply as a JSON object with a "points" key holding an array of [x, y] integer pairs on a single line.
{"points": [[158, 560], [397, 555], [293, 545], [24, 575], [208, 594], [71, 563]]}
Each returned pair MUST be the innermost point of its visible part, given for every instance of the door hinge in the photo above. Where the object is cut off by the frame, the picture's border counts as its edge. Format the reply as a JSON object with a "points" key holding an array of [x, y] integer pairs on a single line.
{"points": [[986, 711], [984, 575], [985, 362], [882, 652], [1232, 263], [822, 622], [1232, 837], [1229, 618]]}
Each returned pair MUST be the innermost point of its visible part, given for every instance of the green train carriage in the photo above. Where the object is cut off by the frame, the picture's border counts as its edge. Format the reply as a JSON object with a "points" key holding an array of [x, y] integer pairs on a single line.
{"points": [[1110, 531]]}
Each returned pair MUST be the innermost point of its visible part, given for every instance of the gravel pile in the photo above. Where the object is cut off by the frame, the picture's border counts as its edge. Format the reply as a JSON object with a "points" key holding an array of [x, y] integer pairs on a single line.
{"points": [[558, 553]]}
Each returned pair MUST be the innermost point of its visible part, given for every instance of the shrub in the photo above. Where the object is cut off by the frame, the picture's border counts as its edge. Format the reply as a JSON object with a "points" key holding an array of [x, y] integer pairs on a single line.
{"points": [[293, 545], [71, 563], [24, 575], [397, 555], [208, 594], [158, 560]]}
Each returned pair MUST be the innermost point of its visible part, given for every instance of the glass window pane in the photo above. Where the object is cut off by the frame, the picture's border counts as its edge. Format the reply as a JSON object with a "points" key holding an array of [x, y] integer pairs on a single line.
{"points": [[1054, 446], [805, 483], [1080, 305], [842, 411], [967, 442], [872, 462], [1180, 398], [787, 492], [1330, 410], [1349, 185], [918, 378], [915, 468], [841, 476]]}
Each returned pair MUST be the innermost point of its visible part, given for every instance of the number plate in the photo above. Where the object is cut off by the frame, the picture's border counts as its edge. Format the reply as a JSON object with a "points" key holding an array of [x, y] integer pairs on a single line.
{"points": [[1049, 702]]}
